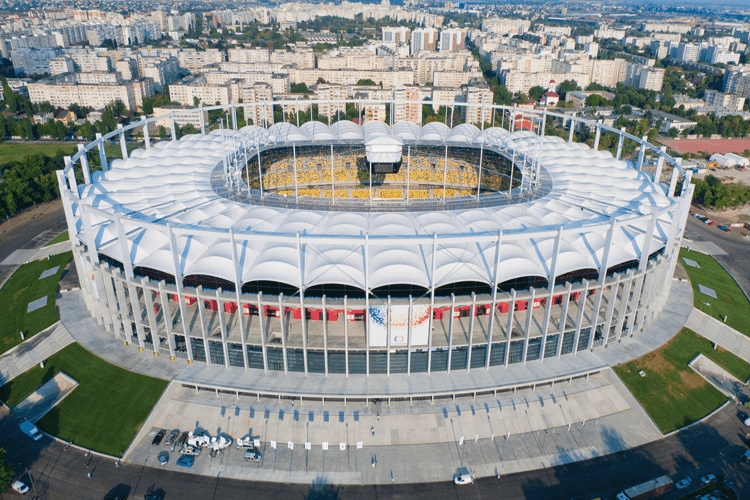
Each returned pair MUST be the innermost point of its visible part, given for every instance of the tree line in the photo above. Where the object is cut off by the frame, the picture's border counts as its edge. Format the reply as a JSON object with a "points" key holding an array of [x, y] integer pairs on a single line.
{"points": [[712, 193]]}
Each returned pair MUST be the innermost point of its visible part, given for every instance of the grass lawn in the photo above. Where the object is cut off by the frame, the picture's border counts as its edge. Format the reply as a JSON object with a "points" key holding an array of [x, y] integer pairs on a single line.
{"points": [[671, 393], [105, 411], [59, 238], [14, 151], [730, 301], [24, 287]]}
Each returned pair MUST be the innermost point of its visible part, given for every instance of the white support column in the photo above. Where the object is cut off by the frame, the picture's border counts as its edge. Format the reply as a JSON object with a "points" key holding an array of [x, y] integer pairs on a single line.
{"points": [[294, 165], [408, 336], [431, 319], [598, 134], [450, 331], [234, 117], [89, 234], [146, 136], [511, 313], [166, 316], [262, 325], [223, 326], [112, 302], [527, 327], [673, 179], [135, 304], [581, 310], [642, 153], [203, 131], [180, 288], [563, 318], [479, 177], [659, 165], [603, 265], [202, 317], [282, 315], [172, 126], [84, 159], [102, 155], [493, 305], [366, 249], [620, 142], [148, 299], [572, 127], [445, 171], [622, 310], [325, 336], [346, 336], [550, 291], [611, 308], [472, 317], [388, 337], [238, 294], [123, 141], [65, 196], [301, 264]]}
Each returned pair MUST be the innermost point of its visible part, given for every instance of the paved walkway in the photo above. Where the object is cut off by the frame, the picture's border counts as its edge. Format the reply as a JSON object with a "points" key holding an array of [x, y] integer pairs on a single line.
{"points": [[418, 442], [19, 257], [33, 351], [719, 333]]}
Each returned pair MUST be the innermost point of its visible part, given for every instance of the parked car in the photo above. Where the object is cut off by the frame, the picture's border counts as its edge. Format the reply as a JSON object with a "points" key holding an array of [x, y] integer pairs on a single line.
{"points": [[681, 485], [253, 455], [183, 438], [712, 223], [727, 229], [463, 476], [163, 458], [20, 487], [707, 221], [708, 479], [186, 461], [159, 436], [172, 436]]}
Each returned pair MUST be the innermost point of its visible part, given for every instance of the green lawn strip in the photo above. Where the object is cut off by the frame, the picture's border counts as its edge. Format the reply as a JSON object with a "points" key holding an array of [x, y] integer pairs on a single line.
{"points": [[730, 301], [104, 412], [672, 394], [58, 239], [24, 287]]}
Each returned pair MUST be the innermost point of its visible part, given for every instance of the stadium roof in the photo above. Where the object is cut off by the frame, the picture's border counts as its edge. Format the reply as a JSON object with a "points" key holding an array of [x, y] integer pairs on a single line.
{"points": [[170, 184]]}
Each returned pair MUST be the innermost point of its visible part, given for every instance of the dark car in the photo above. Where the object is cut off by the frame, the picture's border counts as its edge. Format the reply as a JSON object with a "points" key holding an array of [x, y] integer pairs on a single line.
{"points": [[159, 436], [183, 438], [172, 436], [163, 458], [186, 461]]}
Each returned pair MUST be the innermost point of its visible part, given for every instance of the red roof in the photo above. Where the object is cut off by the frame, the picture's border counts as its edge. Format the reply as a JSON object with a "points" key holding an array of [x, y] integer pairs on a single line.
{"points": [[550, 93]]}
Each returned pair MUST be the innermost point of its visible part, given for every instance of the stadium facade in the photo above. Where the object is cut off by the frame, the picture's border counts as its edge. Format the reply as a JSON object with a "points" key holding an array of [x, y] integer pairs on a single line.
{"points": [[376, 249]]}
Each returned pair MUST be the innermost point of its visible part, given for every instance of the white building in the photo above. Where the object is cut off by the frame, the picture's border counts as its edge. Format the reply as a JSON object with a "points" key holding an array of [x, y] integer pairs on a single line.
{"points": [[452, 39], [399, 34], [716, 99], [423, 39]]}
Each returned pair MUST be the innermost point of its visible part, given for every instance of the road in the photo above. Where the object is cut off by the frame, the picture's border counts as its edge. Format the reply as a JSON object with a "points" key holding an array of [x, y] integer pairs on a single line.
{"points": [[714, 447], [737, 260], [31, 228]]}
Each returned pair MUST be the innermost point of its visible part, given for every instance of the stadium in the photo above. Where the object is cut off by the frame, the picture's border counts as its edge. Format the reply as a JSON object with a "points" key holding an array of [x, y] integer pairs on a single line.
{"points": [[375, 249]]}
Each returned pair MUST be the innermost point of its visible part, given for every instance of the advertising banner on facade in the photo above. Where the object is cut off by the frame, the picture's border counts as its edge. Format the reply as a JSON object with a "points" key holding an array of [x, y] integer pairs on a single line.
{"points": [[399, 320]]}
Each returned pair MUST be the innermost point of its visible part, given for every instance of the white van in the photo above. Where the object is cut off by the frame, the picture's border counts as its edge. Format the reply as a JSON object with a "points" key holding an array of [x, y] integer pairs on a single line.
{"points": [[31, 430]]}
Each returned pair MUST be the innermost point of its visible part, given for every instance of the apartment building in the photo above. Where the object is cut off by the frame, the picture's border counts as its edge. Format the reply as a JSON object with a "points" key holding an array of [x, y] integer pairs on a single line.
{"points": [[407, 105], [452, 39], [423, 39], [399, 34], [329, 93], [481, 98], [95, 95], [194, 60], [716, 99]]}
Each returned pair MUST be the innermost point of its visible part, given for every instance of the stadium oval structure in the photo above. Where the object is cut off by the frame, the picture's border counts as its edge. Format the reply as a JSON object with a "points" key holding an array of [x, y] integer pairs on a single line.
{"points": [[284, 249]]}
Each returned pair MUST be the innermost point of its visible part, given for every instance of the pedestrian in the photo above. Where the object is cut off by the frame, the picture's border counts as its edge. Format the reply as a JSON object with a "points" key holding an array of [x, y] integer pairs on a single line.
{"points": [[372, 430], [378, 416], [89, 474]]}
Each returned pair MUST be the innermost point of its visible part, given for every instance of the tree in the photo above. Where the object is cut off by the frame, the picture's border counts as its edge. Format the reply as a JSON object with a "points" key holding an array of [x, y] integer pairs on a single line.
{"points": [[6, 472], [87, 131], [536, 92], [188, 128], [162, 132], [594, 100], [299, 88], [673, 132], [567, 86], [366, 81], [109, 122], [196, 101]]}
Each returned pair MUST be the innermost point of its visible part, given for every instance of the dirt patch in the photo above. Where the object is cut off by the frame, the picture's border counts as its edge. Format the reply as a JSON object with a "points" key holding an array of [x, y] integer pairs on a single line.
{"points": [[30, 214], [690, 380]]}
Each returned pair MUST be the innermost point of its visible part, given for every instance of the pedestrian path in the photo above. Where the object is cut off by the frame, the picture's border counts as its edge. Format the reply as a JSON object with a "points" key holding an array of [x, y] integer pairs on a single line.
{"points": [[33, 351], [719, 333]]}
